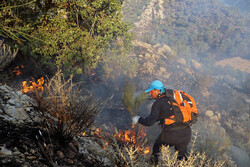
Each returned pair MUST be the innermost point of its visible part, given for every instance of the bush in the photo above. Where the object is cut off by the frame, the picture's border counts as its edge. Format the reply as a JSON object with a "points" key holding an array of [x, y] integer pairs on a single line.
{"points": [[132, 101], [69, 34], [64, 111]]}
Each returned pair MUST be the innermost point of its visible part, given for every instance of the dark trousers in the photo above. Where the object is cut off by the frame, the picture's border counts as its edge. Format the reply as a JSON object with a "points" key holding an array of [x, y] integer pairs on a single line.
{"points": [[177, 138]]}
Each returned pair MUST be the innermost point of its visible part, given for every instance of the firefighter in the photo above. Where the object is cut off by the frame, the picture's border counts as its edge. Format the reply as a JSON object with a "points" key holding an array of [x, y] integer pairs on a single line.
{"points": [[177, 135]]}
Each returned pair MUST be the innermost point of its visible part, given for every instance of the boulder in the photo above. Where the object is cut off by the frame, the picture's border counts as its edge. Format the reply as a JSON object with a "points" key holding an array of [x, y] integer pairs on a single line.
{"points": [[196, 64], [15, 106], [181, 61], [209, 113]]}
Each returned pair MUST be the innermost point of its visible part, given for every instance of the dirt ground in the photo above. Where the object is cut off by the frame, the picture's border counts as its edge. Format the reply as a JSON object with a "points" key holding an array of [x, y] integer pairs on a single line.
{"points": [[236, 63]]}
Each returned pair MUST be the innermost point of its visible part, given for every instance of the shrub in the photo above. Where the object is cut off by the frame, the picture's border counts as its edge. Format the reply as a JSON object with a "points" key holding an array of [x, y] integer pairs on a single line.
{"points": [[68, 34], [212, 139], [132, 101], [64, 111]]}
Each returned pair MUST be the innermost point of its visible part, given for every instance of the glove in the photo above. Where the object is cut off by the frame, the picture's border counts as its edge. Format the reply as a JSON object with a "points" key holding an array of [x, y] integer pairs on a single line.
{"points": [[135, 120]]}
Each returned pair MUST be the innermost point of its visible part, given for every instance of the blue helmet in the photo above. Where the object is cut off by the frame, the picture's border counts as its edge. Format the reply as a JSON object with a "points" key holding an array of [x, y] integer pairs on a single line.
{"points": [[156, 85]]}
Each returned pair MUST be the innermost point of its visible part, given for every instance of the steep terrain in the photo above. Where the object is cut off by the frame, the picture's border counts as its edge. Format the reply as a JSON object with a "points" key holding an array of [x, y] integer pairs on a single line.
{"points": [[196, 62], [188, 45]]}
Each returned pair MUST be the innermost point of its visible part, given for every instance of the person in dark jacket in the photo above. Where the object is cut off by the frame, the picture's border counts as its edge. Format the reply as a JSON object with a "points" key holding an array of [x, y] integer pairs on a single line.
{"points": [[172, 135]]}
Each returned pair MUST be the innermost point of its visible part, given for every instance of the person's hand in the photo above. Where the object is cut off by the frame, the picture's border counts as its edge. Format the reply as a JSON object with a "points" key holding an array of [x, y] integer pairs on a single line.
{"points": [[135, 120]]}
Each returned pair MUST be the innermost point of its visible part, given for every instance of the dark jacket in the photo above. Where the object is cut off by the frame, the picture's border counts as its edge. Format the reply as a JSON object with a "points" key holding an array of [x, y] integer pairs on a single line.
{"points": [[160, 110], [173, 135]]}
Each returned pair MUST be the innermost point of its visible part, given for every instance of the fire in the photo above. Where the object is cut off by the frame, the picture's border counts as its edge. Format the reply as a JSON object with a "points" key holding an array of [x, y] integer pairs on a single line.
{"points": [[128, 136], [131, 137], [25, 87], [146, 151], [17, 70]]}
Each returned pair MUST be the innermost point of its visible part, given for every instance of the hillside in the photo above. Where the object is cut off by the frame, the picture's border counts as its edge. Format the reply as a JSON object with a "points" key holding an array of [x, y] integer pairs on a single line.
{"points": [[197, 28], [49, 117], [211, 58]]}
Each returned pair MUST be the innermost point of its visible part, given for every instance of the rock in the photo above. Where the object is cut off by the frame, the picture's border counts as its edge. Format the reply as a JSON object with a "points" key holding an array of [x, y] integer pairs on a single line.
{"points": [[239, 156], [181, 61], [148, 68], [16, 107], [162, 70], [5, 151], [18, 114], [209, 113], [229, 125], [196, 64], [214, 118]]}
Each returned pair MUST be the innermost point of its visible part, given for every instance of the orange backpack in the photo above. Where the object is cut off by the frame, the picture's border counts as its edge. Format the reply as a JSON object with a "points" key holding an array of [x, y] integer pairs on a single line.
{"points": [[184, 107]]}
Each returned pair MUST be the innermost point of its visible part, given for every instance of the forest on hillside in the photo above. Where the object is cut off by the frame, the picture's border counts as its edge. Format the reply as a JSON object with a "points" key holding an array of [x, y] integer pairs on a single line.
{"points": [[94, 39], [197, 28]]}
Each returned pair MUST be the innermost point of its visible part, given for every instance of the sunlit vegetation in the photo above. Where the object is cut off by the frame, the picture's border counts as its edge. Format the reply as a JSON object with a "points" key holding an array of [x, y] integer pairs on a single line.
{"points": [[69, 34], [131, 100], [201, 27]]}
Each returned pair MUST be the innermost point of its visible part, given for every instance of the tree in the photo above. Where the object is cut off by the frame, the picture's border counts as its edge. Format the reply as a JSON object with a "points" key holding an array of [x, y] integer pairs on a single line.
{"points": [[70, 34]]}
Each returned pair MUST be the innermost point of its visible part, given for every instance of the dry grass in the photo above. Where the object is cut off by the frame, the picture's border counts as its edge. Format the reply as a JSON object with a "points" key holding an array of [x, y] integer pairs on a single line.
{"points": [[195, 158], [6, 55], [127, 155], [64, 111]]}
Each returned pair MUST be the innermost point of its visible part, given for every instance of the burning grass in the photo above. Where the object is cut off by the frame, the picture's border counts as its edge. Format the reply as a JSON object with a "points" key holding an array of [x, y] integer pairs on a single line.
{"points": [[32, 86], [124, 146], [65, 113], [123, 149]]}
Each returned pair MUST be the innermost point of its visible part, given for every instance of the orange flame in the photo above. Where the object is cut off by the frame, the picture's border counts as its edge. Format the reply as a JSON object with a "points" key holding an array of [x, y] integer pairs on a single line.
{"points": [[131, 137], [17, 70], [128, 137], [146, 151], [25, 87]]}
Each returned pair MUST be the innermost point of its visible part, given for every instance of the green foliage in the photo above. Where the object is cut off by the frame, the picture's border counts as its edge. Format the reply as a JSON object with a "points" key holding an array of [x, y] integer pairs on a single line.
{"points": [[116, 65], [132, 9], [132, 101], [68, 34]]}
